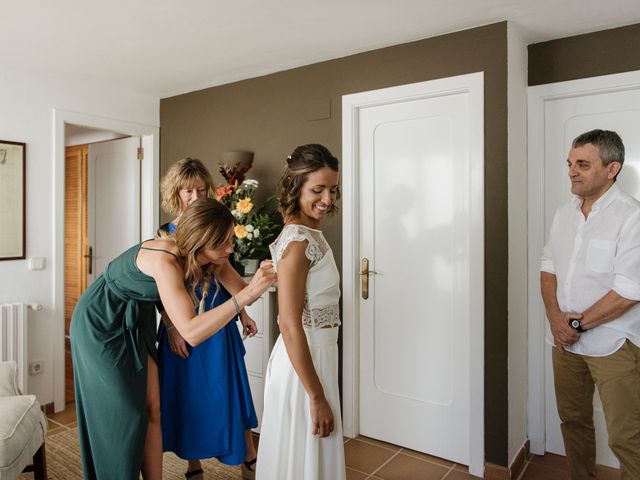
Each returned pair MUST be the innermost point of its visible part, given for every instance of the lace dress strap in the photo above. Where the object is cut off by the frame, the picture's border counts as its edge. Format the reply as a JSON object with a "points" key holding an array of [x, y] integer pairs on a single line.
{"points": [[316, 246]]}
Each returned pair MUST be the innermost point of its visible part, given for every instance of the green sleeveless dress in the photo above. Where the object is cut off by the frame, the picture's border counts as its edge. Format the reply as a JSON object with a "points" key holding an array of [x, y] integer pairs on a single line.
{"points": [[112, 332]]}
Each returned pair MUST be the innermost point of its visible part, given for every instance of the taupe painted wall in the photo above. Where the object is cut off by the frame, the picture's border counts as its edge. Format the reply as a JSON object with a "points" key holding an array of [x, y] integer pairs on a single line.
{"points": [[583, 56], [271, 115]]}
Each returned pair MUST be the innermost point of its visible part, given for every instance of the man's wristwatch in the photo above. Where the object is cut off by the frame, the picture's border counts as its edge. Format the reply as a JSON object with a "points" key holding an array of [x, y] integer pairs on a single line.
{"points": [[576, 325]]}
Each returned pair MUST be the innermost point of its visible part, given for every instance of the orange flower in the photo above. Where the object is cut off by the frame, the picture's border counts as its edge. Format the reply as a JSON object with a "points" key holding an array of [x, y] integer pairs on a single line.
{"points": [[223, 192]]}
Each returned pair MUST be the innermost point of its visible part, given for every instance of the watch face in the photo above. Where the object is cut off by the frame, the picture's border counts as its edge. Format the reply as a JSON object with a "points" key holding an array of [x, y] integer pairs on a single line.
{"points": [[576, 325]]}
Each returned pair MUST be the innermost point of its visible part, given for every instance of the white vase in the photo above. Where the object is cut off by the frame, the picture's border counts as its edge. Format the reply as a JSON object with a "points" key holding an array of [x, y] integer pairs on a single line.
{"points": [[249, 265]]}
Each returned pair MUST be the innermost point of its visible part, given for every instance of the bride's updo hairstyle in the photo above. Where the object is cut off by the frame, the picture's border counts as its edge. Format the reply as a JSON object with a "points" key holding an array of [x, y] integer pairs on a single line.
{"points": [[304, 160]]}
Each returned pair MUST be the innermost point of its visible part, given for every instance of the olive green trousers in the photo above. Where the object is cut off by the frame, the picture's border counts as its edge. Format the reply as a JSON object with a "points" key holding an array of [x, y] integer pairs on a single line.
{"points": [[617, 377]]}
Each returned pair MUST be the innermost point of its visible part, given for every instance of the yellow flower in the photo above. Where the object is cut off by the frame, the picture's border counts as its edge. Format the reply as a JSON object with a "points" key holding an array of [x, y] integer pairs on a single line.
{"points": [[240, 231], [244, 205]]}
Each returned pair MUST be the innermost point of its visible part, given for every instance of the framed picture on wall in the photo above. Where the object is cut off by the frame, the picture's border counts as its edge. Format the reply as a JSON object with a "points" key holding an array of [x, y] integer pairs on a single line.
{"points": [[12, 200]]}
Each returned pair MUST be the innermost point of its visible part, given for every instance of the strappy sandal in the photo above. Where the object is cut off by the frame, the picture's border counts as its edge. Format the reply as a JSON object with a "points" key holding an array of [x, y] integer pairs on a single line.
{"points": [[247, 468], [193, 473]]}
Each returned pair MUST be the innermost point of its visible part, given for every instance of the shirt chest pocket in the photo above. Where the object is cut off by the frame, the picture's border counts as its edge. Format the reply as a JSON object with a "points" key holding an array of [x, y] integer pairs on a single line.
{"points": [[600, 255]]}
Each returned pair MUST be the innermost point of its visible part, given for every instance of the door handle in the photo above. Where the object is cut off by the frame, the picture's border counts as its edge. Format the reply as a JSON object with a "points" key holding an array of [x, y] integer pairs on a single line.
{"points": [[364, 277], [90, 261]]}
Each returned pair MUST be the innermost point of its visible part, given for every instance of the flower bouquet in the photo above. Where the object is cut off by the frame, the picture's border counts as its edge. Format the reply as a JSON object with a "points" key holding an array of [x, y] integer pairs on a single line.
{"points": [[255, 227]]}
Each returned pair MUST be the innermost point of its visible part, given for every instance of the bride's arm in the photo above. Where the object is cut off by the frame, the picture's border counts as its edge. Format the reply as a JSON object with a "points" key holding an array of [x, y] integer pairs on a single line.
{"points": [[293, 269]]}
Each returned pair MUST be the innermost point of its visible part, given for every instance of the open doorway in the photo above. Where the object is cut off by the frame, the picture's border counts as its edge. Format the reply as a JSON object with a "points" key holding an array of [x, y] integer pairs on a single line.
{"points": [[101, 212], [113, 201]]}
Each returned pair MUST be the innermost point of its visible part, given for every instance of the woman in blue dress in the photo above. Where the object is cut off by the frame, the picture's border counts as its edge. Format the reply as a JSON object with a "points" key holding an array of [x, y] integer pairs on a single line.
{"points": [[205, 401]]}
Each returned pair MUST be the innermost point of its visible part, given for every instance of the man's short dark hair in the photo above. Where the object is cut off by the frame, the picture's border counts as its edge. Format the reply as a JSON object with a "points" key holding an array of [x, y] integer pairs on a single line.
{"points": [[608, 142]]}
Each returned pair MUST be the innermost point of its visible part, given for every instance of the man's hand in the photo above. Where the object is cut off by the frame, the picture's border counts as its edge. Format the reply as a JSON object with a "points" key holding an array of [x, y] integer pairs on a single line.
{"points": [[563, 335]]}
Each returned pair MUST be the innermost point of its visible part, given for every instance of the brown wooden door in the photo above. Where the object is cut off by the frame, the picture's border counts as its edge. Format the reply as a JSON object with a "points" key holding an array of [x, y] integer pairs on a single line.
{"points": [[76, 248]]}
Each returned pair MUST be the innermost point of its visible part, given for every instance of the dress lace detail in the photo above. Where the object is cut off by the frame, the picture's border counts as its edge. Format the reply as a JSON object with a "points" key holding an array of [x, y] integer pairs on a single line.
{"points": [[328, 316], [322, 290], [316, 248]]}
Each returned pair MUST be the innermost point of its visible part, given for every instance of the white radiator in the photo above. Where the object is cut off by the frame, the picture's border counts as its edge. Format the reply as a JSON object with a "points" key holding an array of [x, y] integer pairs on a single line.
{"points": [[14, 338]]}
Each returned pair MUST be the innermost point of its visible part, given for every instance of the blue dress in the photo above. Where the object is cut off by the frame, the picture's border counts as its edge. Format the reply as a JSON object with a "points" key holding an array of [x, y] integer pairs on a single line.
{"points": [[205, 400]]}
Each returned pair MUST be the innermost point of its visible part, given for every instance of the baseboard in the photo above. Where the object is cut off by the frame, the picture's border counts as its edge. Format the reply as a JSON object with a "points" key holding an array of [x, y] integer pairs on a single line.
{"points": [[48, 409], [498, 472], [521, 459]]}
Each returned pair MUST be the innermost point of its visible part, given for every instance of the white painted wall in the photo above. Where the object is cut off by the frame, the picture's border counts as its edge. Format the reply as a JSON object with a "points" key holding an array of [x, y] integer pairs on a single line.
{"points": [[517, 201], [26, 115]]}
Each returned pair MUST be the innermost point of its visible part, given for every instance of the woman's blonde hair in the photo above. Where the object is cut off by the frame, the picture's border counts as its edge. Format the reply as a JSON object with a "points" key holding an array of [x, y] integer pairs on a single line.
{"points": [[183, 174], [304, 160], [206, 223]]}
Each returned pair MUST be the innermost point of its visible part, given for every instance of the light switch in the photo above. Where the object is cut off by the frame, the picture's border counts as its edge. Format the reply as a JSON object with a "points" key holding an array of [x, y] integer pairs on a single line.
{"points": [[36, 263]]}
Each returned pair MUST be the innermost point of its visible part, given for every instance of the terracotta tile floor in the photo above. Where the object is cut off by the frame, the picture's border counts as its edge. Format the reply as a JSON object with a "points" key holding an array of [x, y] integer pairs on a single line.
{"points": [[371, 459], [554, 467], [62, 420]]}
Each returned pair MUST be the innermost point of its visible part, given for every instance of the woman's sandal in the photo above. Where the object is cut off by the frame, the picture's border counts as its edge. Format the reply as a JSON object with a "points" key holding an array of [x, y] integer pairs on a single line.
{"points": [[193, 473], [247, 468]]}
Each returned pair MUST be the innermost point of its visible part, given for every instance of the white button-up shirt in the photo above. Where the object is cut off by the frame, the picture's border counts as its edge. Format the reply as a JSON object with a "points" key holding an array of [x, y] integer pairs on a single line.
{"points": [[592, 256]]}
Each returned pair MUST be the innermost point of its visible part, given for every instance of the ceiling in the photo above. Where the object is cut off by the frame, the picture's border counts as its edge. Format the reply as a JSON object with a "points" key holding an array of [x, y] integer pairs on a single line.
{"points": [[163, 48]]}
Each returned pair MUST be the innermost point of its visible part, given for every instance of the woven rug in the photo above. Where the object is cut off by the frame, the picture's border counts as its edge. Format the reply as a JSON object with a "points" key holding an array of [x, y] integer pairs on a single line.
{"points": [[63, 462]]}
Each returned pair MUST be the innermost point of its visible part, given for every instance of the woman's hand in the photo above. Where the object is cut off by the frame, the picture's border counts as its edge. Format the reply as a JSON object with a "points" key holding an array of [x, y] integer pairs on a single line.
{"points": [[177, 343], [262, 280], [249, 327], [321, 418]]}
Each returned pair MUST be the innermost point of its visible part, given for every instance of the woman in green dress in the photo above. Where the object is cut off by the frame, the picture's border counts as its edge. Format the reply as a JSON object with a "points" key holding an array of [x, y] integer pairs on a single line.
{"points": [[113, 333]]}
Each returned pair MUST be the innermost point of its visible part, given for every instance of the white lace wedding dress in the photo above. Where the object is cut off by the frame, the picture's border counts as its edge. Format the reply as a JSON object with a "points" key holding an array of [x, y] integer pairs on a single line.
{"points": [[288, 450]]}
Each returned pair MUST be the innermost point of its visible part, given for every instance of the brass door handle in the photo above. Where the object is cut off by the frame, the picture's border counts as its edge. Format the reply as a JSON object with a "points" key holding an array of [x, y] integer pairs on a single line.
{"points": [[364, 277], [90, 261]]}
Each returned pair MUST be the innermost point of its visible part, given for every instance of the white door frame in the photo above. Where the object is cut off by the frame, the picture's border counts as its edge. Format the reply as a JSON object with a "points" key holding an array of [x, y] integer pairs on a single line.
{"points": [[149, 213], [537, 97], [473, 84]]}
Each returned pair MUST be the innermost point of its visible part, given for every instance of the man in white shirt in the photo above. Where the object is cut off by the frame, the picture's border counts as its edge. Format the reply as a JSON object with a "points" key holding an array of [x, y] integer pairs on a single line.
{"points": [[590, 282]]}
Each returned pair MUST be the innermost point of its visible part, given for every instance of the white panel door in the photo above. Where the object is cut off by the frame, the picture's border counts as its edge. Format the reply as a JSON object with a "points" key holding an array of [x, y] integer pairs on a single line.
{"points": [[416, 196], [114, 199], [565, 118]]}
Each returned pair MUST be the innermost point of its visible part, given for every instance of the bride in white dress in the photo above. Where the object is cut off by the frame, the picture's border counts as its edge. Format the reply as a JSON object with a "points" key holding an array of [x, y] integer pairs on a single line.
{"points": [[301, 431]]}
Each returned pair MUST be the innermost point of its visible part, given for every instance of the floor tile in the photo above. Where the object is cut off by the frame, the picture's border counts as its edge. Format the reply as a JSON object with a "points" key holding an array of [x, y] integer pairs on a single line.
{"points": [[405, 467], [607, 473], [378, 443], [365, 457], [558, 463], [551, 460], [461, 468], [536, 471], [353, 475], [53, 431], [459, 475], [65, 417], [428, 458], [51, 424]]}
